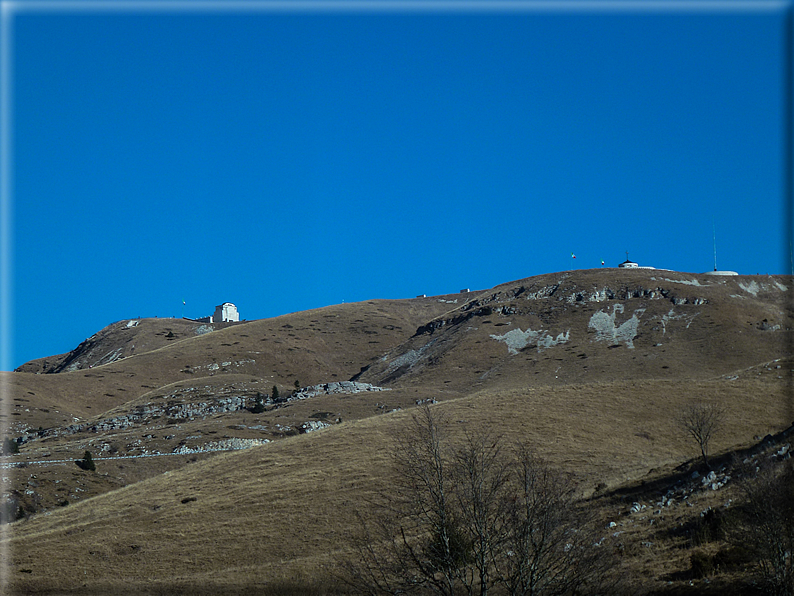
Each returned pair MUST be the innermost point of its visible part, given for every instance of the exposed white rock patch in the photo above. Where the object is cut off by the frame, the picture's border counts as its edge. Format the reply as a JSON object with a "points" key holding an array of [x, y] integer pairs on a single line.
{"points": [[410, 358], [215, 366], [600, 295], [692, 282], [780, 286], [313, 425], [607, 330], [544, 292], [202, 329], [133, 323], [750, 288], [671, 316], [593, 296], [222, 445], [517, 340]]}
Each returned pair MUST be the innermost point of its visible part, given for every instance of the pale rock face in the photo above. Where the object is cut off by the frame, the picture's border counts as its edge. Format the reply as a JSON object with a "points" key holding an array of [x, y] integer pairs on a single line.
{"points": [[410, 358], [517, 340], [693, 282], [607, 330], [672, 316], [750, 288]]}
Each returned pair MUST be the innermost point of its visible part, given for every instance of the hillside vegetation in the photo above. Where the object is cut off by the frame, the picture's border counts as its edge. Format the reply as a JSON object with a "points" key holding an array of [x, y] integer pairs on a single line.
{"points": [[243, 458]]}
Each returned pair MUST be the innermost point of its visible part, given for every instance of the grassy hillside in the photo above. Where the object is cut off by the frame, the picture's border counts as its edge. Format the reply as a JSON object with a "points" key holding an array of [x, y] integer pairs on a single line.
{"points": [[589, 367]]}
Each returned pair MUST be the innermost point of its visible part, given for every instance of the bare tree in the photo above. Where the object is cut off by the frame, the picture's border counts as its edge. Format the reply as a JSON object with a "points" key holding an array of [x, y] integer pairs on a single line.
{"points": [[769, 527], [481, 474], [701, 422], [425, 496], [472, 517], [552, 546], [413, 541]]}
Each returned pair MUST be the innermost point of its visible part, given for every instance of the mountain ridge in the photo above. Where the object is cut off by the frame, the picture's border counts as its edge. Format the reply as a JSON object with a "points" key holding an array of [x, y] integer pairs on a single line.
{"points": [[590, 366]]}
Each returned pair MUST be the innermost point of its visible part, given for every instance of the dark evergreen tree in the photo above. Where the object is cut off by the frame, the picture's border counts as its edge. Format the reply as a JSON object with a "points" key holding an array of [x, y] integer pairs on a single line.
{"points": [[10, 446], [259, 404], [87, 463]]}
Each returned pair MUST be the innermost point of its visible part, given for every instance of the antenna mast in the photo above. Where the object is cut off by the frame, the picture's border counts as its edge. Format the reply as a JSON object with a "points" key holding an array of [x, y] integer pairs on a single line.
{"points": [[714, 229]]}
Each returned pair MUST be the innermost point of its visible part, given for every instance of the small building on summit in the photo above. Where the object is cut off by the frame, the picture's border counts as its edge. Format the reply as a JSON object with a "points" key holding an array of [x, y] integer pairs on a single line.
{"points": [[225, 312], [632, 265]]}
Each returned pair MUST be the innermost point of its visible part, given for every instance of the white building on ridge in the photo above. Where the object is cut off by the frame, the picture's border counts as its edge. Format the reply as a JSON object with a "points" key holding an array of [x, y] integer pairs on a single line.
{"points": [[632, 265], [225, 312]]}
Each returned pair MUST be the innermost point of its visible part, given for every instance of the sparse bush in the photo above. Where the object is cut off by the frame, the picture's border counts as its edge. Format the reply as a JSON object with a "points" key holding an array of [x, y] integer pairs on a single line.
{"points": [[732, 558], [713, 525], [702, 565], [727, 559], [701, 422], [768, 529], [275, 395]]}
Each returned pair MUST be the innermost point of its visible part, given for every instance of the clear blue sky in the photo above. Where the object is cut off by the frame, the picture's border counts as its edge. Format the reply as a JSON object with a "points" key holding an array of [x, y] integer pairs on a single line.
{"points": [[285, 160]]}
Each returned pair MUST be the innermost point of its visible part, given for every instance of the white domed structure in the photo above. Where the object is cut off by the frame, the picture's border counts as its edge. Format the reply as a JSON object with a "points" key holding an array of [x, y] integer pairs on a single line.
{"points": [[715, 272]]}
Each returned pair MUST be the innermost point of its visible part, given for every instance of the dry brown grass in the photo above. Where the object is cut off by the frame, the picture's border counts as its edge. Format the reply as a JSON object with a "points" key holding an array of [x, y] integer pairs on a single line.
{"points": [[277, 517], [286, 508]]}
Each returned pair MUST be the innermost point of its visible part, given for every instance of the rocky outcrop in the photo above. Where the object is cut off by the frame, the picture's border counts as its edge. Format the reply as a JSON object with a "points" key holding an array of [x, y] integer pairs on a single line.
{"points": [[505, 303], [171, 412], [232, 444], [333, 388]]}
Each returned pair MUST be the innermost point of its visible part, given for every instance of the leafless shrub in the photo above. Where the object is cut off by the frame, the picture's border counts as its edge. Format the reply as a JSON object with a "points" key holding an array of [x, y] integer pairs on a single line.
{"points": [[769, 526], [550, 546], [408, 541], [476, 516], [481, 475], [701, 422]]}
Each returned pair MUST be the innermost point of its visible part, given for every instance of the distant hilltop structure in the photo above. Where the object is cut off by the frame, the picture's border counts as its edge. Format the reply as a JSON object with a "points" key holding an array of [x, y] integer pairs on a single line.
{"points": [[716, 272], [627, 264], [224, 313], [632, 265]]}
